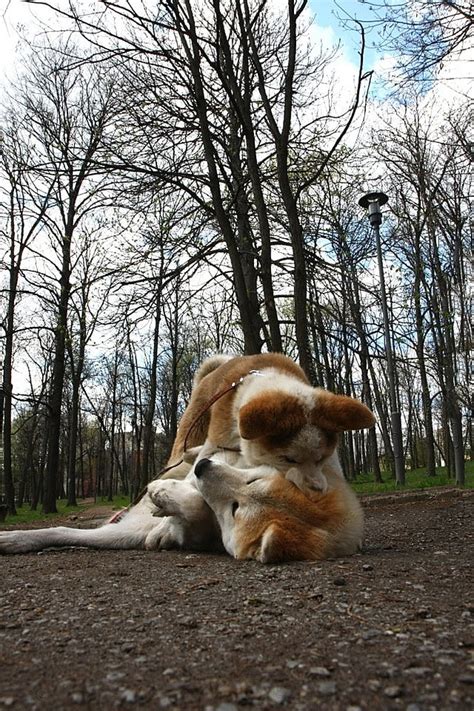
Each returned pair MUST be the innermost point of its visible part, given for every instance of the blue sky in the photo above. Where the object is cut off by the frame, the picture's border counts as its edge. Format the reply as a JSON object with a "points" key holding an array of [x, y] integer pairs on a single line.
{"points": [[328, 13]]}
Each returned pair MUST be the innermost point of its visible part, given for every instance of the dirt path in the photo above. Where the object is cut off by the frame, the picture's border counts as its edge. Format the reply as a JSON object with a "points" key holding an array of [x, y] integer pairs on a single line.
{"points": [[388, 629]]}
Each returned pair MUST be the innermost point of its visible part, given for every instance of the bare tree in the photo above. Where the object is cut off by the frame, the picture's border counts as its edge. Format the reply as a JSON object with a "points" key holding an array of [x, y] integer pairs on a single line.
{"points": [[23, 207], [212, 61], [89, 292], [68, 113], [428, 33], [430, 188]]}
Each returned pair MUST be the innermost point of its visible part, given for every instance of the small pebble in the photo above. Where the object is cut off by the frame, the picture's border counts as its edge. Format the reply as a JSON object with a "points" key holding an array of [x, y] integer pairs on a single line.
{"points": [[369, 634], [188, 622], [417, 671], [278, 694], [327, 688], [114, 676], [319, 671], [339, 581], [429, 697], [392, 691], [129, 696], [447, 661]]}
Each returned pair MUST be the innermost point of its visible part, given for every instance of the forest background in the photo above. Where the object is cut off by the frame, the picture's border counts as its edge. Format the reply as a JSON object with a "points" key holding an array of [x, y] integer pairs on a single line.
{"points": [[182, 178]]}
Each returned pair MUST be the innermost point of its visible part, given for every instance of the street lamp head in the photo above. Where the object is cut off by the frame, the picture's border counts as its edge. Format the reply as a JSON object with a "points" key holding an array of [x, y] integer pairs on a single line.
{"points": [[373, 202]]}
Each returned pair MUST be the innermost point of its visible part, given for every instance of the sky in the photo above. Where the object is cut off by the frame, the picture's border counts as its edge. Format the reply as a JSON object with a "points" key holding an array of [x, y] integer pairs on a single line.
{"points": [[330, 14], [332, 18], [326, 13], [329, 29]]}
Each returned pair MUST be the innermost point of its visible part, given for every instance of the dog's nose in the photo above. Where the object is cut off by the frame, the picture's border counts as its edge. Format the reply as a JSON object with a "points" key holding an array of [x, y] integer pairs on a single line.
{"points": [[201, 467]]}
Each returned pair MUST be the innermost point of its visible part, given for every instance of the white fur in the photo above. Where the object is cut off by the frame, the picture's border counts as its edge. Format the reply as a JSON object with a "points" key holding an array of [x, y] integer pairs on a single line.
{"points": [[185, 521], [129, 532]]}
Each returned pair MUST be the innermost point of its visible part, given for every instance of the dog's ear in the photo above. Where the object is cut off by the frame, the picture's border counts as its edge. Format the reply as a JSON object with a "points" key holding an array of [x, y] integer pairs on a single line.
{"points": [[280, 543], [271, 413], [339, 413]]}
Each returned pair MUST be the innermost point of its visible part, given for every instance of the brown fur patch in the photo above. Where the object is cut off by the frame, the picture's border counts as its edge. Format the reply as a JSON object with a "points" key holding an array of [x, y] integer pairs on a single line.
{"points": [[218, 422], [281, 543], [271, 412], [339, 413], [289, 525]]}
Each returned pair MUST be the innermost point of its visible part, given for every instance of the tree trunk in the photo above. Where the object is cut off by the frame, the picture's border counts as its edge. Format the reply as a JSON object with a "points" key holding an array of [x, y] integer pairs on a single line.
{"points": [[148, 429], [248, 318], [420, 351], [56, 393], [73, 436]]}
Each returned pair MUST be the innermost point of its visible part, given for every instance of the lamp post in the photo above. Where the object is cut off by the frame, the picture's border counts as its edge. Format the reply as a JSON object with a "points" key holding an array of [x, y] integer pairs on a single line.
{"points": [[372, 202]]}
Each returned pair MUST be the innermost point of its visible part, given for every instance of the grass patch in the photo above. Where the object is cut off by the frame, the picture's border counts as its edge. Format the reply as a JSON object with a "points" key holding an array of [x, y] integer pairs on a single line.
{"points": [[414, 479], [26, 515], [118, 502]]}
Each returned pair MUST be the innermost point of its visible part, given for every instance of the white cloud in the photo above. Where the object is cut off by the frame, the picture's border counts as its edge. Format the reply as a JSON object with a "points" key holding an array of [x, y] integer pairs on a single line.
{"points": [[12, 14]]}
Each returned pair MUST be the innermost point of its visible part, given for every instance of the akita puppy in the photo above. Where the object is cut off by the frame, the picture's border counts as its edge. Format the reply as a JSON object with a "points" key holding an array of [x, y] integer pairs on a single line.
{"points": [[264, 407]]}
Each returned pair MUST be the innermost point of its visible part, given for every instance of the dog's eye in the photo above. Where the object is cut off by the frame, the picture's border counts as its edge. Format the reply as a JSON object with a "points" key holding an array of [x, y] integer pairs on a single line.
{"points": [[289, 460], [235, 506]]}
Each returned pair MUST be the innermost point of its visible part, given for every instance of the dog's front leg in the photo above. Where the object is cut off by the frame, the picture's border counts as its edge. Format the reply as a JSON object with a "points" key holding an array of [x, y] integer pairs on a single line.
{"points": [[173, 497], [187, 521]]}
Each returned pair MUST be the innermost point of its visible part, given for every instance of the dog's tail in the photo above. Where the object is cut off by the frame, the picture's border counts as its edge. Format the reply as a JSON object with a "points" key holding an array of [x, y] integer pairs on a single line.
{"points": [[209, 365]]}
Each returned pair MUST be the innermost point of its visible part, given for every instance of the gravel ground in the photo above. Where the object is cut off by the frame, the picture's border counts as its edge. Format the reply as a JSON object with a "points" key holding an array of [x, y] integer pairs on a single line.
{"points": [[390, 628]]}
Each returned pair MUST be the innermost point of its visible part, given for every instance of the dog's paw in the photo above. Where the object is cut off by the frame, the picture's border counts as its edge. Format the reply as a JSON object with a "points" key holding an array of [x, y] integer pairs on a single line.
{"points": [[164, 506], [163, 495], [166, 535], [321, 484], [172, 497]]}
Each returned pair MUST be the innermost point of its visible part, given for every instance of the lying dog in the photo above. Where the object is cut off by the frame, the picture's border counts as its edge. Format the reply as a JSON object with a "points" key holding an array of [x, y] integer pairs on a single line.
{"points": [[297, 506], [265, 408], [253, 513]]}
